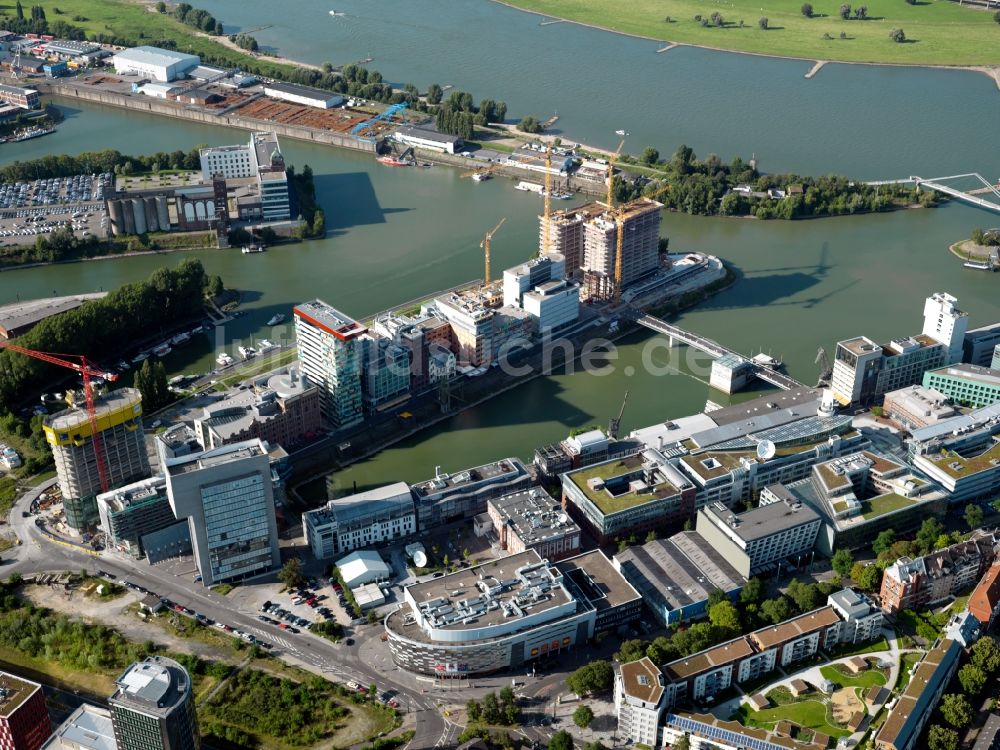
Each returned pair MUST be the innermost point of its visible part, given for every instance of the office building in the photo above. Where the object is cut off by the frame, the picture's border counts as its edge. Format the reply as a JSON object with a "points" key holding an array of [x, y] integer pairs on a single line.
{"points": [[979, 344], [427, 337], [463, 495], [984, 603], [69, 434], [131, 514], [20, 97], [675, 576], [638, 698], [260, 164], [153, 707], [583, 449], [281, 408], [385, 373], [640, 224], [331, 350], [296, 94], [531, 519], [24, 717], [755, 540], [553, 305], [989, 736], [918, 583], [564, 235], [961, 454], [360, 520], [154, 62], [504, 613], [944, 322], [917, 406], [87, 728], [968, 385], [519, 280], [929, 679], [859, 495], [232, 162], [227, 497]]}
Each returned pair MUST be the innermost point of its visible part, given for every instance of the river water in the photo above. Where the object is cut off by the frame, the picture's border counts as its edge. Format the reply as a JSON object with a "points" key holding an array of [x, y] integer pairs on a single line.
{"points": [[394, 235]]}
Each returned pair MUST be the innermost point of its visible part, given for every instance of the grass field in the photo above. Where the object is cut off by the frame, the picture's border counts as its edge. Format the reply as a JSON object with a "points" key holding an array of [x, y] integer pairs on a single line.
{"points": [[808, 713], [843, 679], [938, 32]]}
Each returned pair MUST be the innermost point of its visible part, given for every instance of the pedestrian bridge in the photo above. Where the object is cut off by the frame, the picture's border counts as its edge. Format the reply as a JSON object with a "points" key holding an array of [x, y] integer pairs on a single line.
{"points": [[968, 196], [716, 350]]}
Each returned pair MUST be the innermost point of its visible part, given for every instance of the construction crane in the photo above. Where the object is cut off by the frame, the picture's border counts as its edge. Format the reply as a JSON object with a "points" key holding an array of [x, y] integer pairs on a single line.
{"points": [[485, 245], [547, 209], [611, 173], [86, 369], [619, 214], [616, 422]]}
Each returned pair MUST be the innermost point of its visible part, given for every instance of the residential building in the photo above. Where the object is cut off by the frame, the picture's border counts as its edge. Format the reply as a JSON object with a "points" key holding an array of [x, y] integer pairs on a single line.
{"points": [[227, 497], [979, 344], [20, 97], [427, 337], [349, 523], [131, 513], [918, 583], [504, 613], [639, 221], [858, 495], [638, 697], [944, 322], [564, 235], [917, 406], [968, 385], [154, 62], [291, 92], [675, 576], [463, 495], [24, 717], [331, 351], [753, 541], [282, 408], [385, 373], [531, 519], [471, 325], [89, 727], [910, 714], [153, 707], [362, 567], [69, 433], [984, 604], [861, 619], [428, 139]]}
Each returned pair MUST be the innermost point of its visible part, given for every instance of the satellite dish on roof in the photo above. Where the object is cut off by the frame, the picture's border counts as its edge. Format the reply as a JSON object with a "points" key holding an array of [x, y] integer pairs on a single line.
{"points": [[562, 518], [765, 450]]}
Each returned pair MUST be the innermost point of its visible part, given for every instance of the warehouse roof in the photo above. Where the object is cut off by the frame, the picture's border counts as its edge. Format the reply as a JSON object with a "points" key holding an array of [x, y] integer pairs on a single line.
{"points": [[304, 91], [155, 56]]}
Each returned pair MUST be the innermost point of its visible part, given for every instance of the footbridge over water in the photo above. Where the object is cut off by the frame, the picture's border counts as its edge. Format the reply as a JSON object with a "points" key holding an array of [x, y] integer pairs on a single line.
{"points": [[717, 351], [968, 196]]}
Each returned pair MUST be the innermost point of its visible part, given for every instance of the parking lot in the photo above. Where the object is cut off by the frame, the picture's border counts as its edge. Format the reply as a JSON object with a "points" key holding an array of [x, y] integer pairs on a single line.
{"points": [[31, 209], [54, 191]]}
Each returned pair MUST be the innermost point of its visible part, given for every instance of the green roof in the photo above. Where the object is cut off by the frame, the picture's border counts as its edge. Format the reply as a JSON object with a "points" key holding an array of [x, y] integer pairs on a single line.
{"points": [[605, 501], [879, 506], [967, 466]]}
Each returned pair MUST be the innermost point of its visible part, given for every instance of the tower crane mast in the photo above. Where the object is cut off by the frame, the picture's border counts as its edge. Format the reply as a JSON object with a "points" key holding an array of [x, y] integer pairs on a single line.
{"points": [[485, 245]]}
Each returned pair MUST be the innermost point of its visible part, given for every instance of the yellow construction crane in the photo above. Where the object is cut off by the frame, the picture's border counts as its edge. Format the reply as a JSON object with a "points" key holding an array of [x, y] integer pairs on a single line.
{"points": [[611, 173], [485, 245], [619, 214], [547, 210]]}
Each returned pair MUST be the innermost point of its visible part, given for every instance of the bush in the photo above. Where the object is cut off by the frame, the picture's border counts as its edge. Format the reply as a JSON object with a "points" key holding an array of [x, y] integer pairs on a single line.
{"points": [[897, 36], [845, 11], [807, 10], [762, 22]]}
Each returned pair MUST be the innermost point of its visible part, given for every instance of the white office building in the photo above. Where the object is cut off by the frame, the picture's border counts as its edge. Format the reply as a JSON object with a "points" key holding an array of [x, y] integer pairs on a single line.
{"points": [[229, 161], [154, 62], [227, 498], [361, 520], [554, 304], [944, 322], [519, 280], [639, 689]]}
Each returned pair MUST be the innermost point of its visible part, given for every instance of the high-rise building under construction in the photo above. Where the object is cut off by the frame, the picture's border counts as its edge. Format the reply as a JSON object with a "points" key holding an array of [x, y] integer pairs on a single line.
{"points": [[70, 434]]}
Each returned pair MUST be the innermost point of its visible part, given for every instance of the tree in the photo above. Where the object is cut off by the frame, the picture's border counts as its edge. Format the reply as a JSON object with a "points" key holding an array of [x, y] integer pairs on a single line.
{"points": [[717, 19], [716, 596], [842, 561], [650, 537], [972, 678], [804, 595], [996, 16], [752, 592], [19, 9], [869, 578], [725, 619], [762, 22], [897, 35], [986, 654], [861, 12], [529, 124], [595, 677], [956, 710], [681, 743], [928, 534], [630, 650], [650, 155], [942, 738], [434, 93], [884, 541], [845, 11], [807, 10], [775, 610], [973, 516], [291, 573], [161, 7], [583, 716], [561, 740]]}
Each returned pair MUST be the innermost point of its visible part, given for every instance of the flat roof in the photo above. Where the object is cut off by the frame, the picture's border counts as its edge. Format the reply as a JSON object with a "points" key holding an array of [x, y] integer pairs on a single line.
{"points": [[87, 728], [966, 371], [303, 91], [104, 404], [22, 315], [155, 56], [608, 472], [704, 661], [603, 586], [534, 515], [134, 494], [860, 345], [642, 680], [388, 500], [427, 134], [222, 455], [763, 521], [155, 685], [788, 630], [328, 318], [14, 691], [468, 478]]}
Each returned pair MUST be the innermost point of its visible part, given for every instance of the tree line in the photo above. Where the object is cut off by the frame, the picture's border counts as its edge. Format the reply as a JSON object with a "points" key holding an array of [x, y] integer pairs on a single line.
{"points": [[97, 162], [196, 18], [102, 329], [458, 114]]}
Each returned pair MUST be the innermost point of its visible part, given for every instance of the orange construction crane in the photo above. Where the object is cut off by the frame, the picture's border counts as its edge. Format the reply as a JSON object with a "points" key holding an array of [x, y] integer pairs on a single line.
{"points": [[485, 245], [547, 211], [611, 173], [619, 215], [87, 369]]}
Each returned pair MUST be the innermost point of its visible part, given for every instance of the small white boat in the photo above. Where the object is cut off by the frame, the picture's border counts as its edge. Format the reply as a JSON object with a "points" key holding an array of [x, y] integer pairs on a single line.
{"points": [[481, 176], [620, 132], [224, 360], [337, 14], [162, 350], [123, 365], [265, 346], [140, 357], [180, 339], [530, 187], [275, 320], [766, 360], [251, 249], [247, 352]]}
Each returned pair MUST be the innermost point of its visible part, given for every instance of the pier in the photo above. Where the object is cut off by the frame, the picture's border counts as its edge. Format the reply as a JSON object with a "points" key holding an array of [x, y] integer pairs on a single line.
{"points": [[718, 351]]}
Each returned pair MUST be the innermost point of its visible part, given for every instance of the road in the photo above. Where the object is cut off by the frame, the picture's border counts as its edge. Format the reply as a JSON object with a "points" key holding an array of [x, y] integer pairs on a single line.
{"points": [[342, 663]]}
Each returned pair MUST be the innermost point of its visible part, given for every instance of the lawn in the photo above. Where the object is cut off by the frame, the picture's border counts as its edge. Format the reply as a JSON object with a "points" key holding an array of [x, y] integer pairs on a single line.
{"points": [[807, 713], [865, 648], [843, 679], [938, 32], [904, 668], [879, 506]]}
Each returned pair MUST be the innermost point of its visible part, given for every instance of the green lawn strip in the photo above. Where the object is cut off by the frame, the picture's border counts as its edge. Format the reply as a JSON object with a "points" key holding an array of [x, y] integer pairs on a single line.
{"points": [[809, 713], [938, 32], [865, 648], [906, 665], [844, 679]]}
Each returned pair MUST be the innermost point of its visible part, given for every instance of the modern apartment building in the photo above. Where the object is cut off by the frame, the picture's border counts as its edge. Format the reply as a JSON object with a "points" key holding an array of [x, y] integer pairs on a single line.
{"points": [[427, 337], [944, 322], [360, 520], [153, 707], [917, 583], [385, 372], [227, 498], [471, 326], [70, 435], [755, 540], [640, 225], [331, 352], [24, 717], [565, 234], [519, 280], [968, 385], [638, 697], [553, 305], [531, 519]]}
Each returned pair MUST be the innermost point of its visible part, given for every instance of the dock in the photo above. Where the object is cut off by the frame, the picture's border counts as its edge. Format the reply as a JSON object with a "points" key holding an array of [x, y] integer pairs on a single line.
{"points": [[817, 66], [668, 47], [550, 122], [551, 21]]}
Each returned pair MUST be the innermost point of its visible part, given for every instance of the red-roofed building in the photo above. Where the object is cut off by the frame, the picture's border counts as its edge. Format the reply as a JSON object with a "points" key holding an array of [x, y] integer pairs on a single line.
{"points": [[984, 604]]}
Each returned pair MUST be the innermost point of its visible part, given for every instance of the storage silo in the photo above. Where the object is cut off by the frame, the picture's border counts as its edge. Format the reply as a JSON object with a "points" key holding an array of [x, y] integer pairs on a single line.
{"points": [[162, 214], [129, 220], [152, 221], [115, 219], [139, 215]]}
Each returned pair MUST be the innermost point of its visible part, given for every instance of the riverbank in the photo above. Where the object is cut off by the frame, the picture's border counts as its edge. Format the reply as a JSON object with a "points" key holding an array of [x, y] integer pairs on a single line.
{"points": [[939, 33], [967, 250]]}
